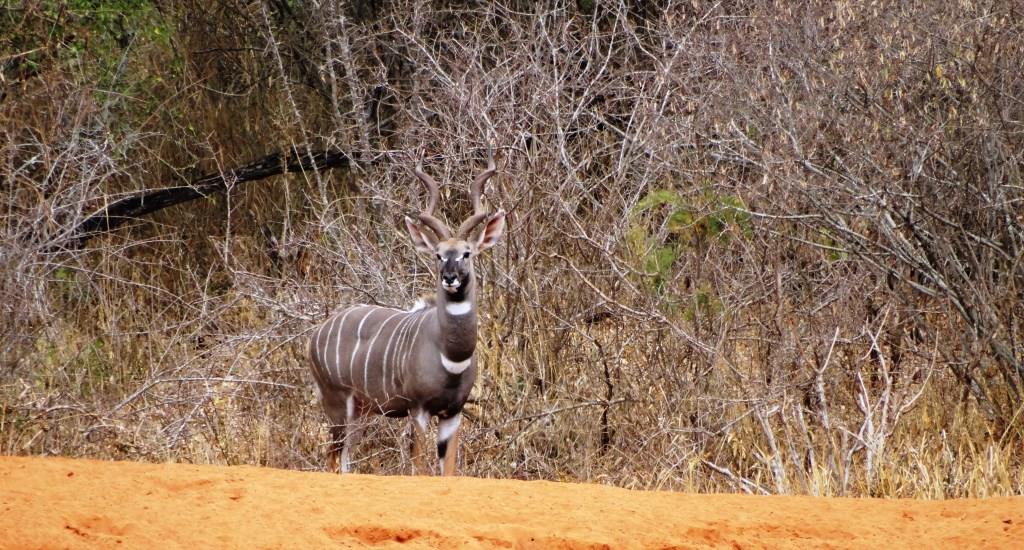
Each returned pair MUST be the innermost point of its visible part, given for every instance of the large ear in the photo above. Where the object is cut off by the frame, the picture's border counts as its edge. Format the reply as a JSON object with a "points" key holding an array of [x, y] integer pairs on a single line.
{"points": [[491, 234], [425, 241]]}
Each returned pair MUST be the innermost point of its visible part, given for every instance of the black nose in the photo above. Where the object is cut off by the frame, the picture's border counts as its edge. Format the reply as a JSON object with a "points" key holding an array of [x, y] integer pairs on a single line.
{"points": [[449, 279]]}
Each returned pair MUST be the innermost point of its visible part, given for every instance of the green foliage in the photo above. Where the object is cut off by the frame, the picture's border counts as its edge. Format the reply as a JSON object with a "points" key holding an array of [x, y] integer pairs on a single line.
{"points": [[87, 363], [832, 248], [107, 23], [85, 30], [94, 364], [120, 48], [658, 197], [705, 304], [67, 288], [665, 224], [728, 213]]}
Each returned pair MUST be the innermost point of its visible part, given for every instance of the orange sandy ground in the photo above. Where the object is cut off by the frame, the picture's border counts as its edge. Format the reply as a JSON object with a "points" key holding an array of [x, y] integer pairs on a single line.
{"points": [[59, 503]]}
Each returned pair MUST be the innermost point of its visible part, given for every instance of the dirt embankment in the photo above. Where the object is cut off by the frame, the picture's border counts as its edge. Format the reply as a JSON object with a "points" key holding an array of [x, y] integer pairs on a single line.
{"points": [[65, 503]]}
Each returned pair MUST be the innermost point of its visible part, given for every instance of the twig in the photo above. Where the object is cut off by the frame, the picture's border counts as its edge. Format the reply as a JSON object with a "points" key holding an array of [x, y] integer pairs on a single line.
{"points": [[744, 483], [149, 385]]}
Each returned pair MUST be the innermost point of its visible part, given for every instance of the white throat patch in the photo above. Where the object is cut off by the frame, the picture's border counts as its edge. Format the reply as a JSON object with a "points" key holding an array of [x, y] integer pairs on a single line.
{"points": [[455, 367], [458, 308]]}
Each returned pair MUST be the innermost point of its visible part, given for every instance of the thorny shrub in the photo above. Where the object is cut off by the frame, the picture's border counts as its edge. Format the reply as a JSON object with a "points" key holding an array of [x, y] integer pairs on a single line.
{"points": [[758, 246]]}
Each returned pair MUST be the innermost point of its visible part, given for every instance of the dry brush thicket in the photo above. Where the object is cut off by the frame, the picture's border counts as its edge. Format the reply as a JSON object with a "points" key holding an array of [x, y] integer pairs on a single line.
{"points": [[753, 246]]}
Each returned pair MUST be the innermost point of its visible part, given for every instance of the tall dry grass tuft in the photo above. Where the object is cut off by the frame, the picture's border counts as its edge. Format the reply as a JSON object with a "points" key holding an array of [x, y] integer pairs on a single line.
{"points": [[752, 246]]}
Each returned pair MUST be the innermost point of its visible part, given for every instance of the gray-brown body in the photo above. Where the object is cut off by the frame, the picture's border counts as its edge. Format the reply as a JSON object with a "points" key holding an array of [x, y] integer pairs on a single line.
{"points": [[388, 360]]}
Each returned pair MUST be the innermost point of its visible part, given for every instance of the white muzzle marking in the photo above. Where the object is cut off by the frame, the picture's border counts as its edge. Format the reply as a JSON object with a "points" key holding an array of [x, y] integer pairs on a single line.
{"points": [[458, 308], [455, 367]]}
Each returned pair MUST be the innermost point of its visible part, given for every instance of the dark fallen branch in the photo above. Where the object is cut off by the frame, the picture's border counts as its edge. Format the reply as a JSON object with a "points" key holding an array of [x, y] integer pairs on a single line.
{"points": [[116, 214]]}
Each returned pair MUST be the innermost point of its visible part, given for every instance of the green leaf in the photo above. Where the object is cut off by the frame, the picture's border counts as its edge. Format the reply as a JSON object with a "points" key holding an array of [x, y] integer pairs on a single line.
{"points": [[657, 198]]}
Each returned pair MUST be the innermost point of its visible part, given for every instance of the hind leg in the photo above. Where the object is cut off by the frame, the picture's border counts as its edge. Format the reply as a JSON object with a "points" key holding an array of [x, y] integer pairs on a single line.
{"points": [[337, 407], [334, 446], [354, 426]]}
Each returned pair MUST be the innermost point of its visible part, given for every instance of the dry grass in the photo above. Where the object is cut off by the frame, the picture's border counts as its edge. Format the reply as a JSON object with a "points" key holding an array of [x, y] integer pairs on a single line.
{"points": [[698, 290]]}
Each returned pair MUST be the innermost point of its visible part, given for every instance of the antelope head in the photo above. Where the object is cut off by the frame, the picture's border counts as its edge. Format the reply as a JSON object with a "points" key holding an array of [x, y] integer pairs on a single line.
{"points": [[455, 254]]}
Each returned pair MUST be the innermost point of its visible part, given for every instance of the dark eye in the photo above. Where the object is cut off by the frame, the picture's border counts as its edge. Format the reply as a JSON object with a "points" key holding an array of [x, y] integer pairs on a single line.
{"points": [[439, 258], [465, 254]]}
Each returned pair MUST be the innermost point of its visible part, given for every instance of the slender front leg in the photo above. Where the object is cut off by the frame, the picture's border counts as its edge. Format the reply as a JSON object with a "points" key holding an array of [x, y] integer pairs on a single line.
{"points": [[420, 420], [448, 443]]}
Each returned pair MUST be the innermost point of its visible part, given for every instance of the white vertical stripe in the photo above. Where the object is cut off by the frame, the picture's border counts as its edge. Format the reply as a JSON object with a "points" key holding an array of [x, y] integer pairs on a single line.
{"points": [[355, 348], [402, 330], [325, 342], [323, 335], [412, 344], [319, 348], [370, 350], [335, 334], [400, 354], [387, 351], [315, 348], [338, 331], [397, 361]]}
